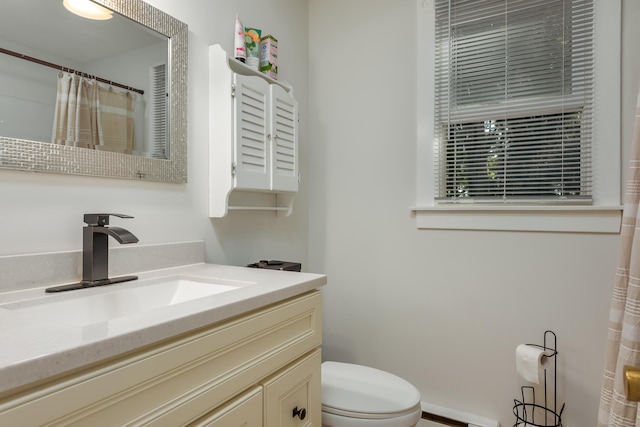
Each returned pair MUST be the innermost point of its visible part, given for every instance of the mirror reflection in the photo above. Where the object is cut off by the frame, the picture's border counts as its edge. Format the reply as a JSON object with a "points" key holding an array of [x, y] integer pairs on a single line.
{"points": [[91, 84]]}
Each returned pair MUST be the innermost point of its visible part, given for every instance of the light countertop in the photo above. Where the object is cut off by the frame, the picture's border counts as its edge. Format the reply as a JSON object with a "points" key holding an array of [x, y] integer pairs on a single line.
{"points": [[36, 347]]}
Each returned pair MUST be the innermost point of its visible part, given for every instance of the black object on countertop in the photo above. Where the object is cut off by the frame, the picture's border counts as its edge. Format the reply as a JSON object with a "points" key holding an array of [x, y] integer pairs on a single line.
{"points": [[277, 265]]}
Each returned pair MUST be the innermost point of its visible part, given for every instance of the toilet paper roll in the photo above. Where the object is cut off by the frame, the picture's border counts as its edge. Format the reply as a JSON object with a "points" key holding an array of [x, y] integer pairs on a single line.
{"points": [[531, 361]]}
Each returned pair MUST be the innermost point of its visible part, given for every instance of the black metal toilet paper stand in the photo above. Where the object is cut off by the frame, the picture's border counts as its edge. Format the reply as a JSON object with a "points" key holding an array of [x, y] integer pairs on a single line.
{"points": [[530, 413]]}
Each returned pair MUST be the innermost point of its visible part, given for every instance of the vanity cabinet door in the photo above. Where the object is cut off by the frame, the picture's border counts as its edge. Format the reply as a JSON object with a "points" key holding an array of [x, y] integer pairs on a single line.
{"points": [[292, 397], [245, 411]]}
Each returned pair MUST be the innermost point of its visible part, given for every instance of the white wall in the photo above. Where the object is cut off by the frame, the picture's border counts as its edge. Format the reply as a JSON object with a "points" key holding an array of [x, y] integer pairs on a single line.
{"points": [[27, 95], [444, 309], [43, 212]]}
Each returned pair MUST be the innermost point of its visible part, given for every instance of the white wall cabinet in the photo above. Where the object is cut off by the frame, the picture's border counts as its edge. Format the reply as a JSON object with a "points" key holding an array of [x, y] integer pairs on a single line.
{"points": [[258, 369], [253, 131]]}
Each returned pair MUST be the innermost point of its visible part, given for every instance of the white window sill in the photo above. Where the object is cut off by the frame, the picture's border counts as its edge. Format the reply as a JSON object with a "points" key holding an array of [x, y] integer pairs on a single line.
{"points": [[562, 219]]}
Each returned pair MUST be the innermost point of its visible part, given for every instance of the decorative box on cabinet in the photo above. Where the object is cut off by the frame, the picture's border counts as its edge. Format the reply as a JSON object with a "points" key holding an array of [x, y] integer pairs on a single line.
{"points": [[253, 132], [229, 373]]}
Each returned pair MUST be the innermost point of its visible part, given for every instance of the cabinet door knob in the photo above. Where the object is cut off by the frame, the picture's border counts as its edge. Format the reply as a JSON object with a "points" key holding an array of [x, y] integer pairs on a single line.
{"points": [[301, 413]]}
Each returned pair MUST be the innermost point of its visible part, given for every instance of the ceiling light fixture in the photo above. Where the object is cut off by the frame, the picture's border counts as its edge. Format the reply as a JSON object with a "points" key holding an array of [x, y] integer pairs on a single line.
{"points": [[88, 9]]}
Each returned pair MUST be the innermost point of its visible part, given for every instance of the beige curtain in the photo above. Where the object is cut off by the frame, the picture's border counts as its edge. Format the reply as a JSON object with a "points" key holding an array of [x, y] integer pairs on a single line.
{"points": [[624, 319], [75, 120], [116, 129], [93, 115]]}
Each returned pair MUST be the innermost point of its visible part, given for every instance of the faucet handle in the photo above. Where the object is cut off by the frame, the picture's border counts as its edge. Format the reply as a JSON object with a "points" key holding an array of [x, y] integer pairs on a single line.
{"points": [[100, 220]]}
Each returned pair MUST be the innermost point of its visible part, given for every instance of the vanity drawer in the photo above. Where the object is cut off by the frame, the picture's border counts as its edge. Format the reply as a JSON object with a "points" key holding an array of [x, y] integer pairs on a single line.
{"points": [[179, 381], [292, 397], [245, 411]]}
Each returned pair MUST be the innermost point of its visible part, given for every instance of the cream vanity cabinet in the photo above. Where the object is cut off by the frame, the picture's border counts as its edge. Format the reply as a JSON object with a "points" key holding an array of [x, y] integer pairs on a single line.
{"points": [[256, 369], [253, 131]]}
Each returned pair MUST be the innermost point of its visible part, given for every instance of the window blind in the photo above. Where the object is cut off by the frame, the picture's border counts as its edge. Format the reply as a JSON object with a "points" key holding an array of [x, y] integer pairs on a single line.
{"points": [[513, 100], [159, 119]]}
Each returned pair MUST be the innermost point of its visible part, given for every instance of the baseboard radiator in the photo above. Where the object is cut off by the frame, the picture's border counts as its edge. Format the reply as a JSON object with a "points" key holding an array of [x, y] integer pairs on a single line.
{"points": [[453, 418]]}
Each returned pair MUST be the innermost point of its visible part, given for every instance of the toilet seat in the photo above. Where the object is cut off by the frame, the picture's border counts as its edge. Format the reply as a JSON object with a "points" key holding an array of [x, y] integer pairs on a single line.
{"points": [[368, 416], [332, 420], [362, 392]]}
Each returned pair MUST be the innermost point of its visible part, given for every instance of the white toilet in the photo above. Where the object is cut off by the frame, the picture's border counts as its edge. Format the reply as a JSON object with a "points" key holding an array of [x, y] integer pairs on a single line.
{"points": [[359, 396]]}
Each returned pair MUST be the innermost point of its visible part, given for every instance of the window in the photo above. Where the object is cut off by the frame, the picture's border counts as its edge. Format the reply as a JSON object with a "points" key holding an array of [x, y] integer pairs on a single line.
{"points": [[519, 115], [517, 159], [159, 112], [514, 99]]}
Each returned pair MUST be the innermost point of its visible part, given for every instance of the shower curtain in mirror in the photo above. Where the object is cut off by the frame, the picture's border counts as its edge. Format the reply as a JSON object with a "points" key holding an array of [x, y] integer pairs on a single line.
{"points": [[94, 115], [75, 121], [624, 319]]}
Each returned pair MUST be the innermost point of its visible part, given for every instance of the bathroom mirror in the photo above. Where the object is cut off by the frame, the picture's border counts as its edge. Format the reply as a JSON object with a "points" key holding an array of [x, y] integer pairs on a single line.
{"points": [[153, 26]]}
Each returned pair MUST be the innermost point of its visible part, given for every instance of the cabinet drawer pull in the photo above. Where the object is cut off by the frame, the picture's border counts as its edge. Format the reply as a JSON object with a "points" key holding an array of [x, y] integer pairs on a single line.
{"points": [[301, 413]]}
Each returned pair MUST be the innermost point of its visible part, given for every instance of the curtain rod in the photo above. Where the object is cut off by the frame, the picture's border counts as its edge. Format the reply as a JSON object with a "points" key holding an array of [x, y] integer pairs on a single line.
{"points": [[59, 67]]}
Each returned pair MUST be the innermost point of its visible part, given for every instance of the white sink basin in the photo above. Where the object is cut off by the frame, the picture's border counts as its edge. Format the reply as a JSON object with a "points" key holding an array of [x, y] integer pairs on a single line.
{"points": [[122, 300]]}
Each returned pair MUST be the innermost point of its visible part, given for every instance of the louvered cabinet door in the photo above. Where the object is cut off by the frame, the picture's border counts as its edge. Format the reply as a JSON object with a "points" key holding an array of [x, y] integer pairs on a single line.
{"points": [[284, 140], [251, 156]]}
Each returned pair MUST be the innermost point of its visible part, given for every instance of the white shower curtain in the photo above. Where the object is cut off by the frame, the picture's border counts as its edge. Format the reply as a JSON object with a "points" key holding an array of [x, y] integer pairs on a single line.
{"points": [[93, 115], [624, 319]]}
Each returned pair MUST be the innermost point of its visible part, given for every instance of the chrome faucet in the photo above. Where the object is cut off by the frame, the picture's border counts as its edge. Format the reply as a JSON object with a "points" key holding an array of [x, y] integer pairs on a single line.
{"points": [[95, 252]]}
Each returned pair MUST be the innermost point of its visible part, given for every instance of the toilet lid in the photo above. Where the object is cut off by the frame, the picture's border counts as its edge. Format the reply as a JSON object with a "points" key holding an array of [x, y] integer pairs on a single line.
{"points": [[360, 389]]}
